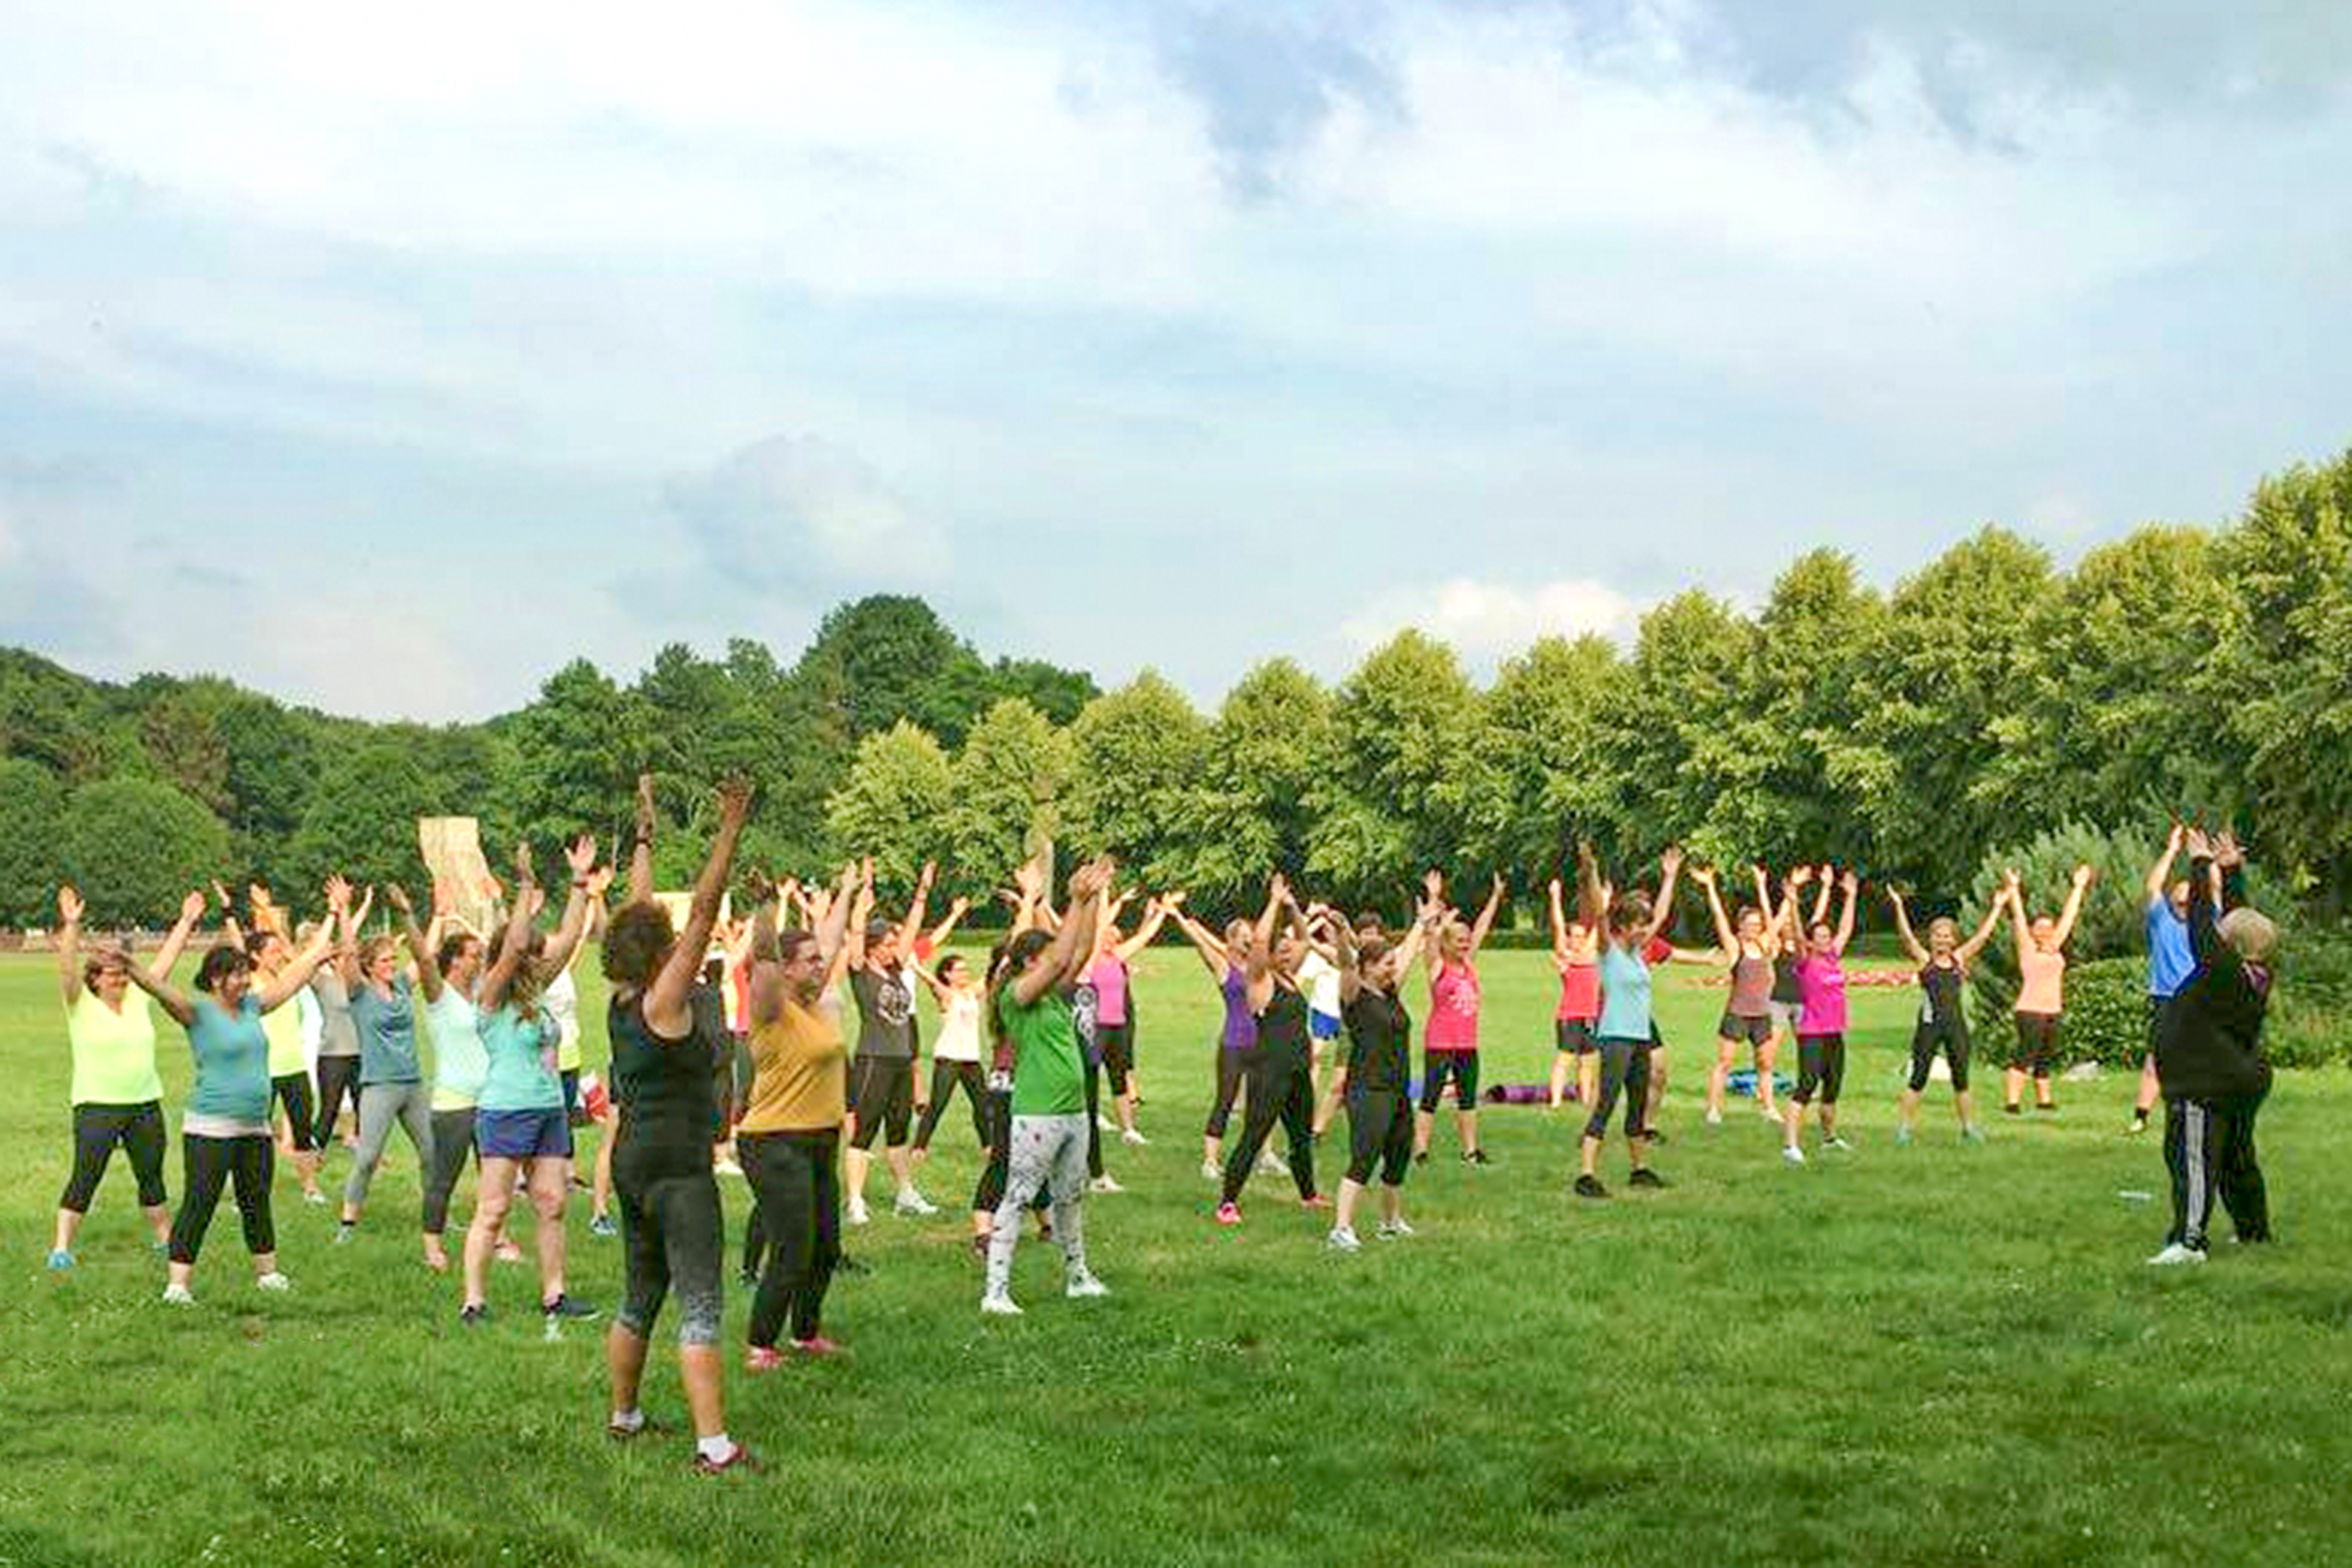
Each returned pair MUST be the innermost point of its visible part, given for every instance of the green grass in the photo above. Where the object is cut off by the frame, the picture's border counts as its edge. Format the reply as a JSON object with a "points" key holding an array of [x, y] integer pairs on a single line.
{"points": [[1933, 1355]]}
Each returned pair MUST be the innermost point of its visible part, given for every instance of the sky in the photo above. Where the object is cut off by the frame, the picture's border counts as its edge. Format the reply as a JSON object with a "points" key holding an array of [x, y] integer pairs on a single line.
{"points": [[387, 358]]}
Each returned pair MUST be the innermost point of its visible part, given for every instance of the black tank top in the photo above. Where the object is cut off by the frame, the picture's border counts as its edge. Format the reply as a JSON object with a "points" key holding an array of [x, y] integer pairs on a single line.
{"points": [[667, 1091], [1942, 984], [1282, 1028], [1380, 1040]]}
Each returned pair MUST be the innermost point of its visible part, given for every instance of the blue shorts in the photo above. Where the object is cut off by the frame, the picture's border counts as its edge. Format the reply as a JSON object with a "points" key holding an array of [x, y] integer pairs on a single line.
{"points": [[523, 1134], [1322, 1025]]}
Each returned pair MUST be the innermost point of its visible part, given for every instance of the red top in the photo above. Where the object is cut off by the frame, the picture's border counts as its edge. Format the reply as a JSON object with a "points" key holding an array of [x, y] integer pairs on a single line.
{"points": [[1579, 993]]}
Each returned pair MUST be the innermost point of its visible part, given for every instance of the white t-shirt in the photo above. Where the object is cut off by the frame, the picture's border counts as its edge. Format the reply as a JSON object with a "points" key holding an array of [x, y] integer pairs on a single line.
{"points": [[958, 1039], [1320, 979]]}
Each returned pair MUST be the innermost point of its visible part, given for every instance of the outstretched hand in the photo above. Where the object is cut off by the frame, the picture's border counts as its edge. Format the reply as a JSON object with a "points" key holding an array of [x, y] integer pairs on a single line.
{"points": [[338, 894], [1672, 860], [2226, 852], [581, 856], [70, 905], [397, 897], [192, 908], [735, 800]]}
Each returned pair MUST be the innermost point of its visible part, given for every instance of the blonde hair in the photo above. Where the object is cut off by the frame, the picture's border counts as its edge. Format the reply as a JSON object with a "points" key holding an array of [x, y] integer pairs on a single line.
{"points": [[2251, 933], [373, 948]]}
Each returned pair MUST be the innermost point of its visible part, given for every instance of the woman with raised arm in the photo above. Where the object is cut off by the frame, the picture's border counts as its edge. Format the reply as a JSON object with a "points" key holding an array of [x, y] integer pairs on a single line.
{"points": [[1749, 947], [1373, 1077], [1450, 1043], [790, 1136], [1576, 954], [339, 1037], [663, 1076], [224, 1134], [448, 972], [523, 1132], [2172, 960], [1943, 961], [955, 1054], [2040, 991], [269, 951], [1281, 1085], [1820, 1032], [884, 1063], [118, 1096], [1114, 1007], [1790, 923], [1626, 1031], [1046, 1142], [391, 1081], [1223, 960]]}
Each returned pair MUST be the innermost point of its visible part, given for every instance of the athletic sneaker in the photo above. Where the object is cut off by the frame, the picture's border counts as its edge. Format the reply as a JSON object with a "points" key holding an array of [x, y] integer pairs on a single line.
{"points": [[314, 1196], [1591, 1187], [1229, 1213], [570, 1306], [724, 1168], [818, 1348], [1903, 1137], [1972, 1134], [2049, 1109], [473, 1316], [1106, 1183], [1393, 1229], [621, 1431], [61, 1260], [2137, 1125], [1475, 1157], [177, 1296], [602, 1225], [1715, 1118], [1791, 1155], [1210, 1172], [1082, 1285], [913, 1205], [1133, 1138], [343, 1233], [2012, 1109], [1000, 1304], [758, 1358], [739, 1458], [1840, 1144], [857, 1214], [1104, 1123], [1343, 1240], [273, 1281], [1645, 1177], [2176, 1253]]}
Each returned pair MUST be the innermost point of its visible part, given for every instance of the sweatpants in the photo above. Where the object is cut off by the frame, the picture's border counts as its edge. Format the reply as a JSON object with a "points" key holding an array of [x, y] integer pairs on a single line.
{"points": [[1624, 1069], [1229, 1086], [1041, 1153], [1280, 1088], [96, 1130], [380, 1105], [947, 1077], [1380, 1133], [339, 1078], [453, 1139], [798, 1189], [211, 1164], [2209, 1150]]}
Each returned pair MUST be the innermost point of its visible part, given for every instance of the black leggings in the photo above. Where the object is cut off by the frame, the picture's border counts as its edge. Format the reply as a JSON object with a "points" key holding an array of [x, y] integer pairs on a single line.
{"points": [[1117, 1043], [799, 1196], [1380, 1133], [1229, 1088], [1280, 1088], [1094, 1119], [1953, 1038], [1461, 1067], [947, 1077], [338, 1079], [211, 1164], [292, 1090], [1624, 1069], [1820, 1064], [453, 1139], [96, 1130], [671, 1233]]}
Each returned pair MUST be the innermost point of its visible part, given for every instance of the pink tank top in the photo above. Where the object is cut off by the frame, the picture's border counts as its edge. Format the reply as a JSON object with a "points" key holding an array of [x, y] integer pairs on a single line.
{"points": [[1822, 978], [1579, 993], [1453, 1010], [1110, 977], [2041, 981]]}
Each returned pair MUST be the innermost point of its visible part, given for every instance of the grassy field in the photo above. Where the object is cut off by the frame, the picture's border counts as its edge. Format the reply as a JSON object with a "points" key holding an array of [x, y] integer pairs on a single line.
{"points": [[1938, 1354]]}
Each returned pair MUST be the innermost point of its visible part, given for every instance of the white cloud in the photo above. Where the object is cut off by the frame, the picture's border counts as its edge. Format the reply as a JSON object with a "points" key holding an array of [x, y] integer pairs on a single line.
{"points": [[1489, 622]]}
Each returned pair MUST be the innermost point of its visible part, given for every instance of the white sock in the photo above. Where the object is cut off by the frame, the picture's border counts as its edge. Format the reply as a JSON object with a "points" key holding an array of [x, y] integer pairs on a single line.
{"points": [[628, 1421], [715, 1448]]}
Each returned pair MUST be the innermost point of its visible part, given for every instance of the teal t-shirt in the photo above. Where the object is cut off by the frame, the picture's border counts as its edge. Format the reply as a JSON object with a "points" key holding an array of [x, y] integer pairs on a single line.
{"points": [[460, 1061], [1624, 996], [232, 1061], [1049, 1077], [518, 1077], [386, 1026]]}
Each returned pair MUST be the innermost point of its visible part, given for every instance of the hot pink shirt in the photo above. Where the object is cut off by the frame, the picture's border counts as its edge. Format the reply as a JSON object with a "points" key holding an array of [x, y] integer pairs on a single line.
{"points": [[1822, 978], [1110, 977], [1453, 1010], [2041, 981]]}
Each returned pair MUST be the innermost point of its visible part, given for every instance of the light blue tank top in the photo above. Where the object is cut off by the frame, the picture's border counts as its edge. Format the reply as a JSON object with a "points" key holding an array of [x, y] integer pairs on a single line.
{"points": [[1624, 996]]}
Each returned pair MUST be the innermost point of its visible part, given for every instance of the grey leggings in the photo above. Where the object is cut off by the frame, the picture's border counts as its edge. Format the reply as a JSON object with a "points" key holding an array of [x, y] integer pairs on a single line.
{"points": [[1044, 1152], [380, 1105]]}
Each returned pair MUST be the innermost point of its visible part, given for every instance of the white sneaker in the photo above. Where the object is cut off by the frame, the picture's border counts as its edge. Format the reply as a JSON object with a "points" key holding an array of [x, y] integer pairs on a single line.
{"points": [[1133, 1138], [1104, 1123], [1840, 1144], [858, 1214], [177, 1296], [314, 1196], [1210, 1172], [1106, 1183], [2175, 1253], [1342, 1239], [273, 1280], [1393, 1229], [912, 1202], [1791, 1155], [1000, 1304], [1715, 1118], [1082, 1285]]}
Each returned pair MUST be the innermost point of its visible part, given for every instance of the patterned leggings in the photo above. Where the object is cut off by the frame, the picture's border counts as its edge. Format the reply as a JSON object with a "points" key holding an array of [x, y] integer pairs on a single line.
{"points": [[1046, 1152]]}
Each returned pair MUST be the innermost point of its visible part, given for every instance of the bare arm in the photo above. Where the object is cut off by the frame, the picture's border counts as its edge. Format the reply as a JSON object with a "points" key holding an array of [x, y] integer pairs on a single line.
{"points": [[1592, 893], [1558, 923], [512, 941], [2074, 909], [910, 929], [667, 1010], [1726, 937], [168, 996], [581, 857], [297, 975], [69, 910], [428, 971], [1670, 866], [1976, 944], [1155, 915], [1213, 956], [1260, 964], [1911, 943], [2161, 872], [946, 928], [1485, 920], [641, 854], [1853, 887], [1052, 966], [832, 932]]}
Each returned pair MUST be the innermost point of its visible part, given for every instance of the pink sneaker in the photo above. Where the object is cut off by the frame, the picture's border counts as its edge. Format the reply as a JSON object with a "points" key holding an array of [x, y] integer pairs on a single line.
{"points": [[819, 1347], [762, 1358], [1228, 1214]]}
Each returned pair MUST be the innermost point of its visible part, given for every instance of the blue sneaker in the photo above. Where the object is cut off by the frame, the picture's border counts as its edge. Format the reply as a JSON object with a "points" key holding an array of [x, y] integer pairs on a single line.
{"points": [[602, 1225], [60, 1261]]}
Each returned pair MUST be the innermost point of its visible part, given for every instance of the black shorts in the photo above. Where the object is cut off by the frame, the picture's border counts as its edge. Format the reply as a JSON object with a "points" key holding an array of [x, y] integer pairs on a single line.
{"points": [[1117, 1042], [882, 1090], [2037, 1043], [1755, 1031], [575, 1113], [1821, 1065], [1436, 1067], [1573, 1035]]}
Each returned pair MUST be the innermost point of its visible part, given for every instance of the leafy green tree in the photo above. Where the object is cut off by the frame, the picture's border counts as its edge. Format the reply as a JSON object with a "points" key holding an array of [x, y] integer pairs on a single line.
{"points": [[1542, 762], [1814, 640], [135, 846], [1396, 797], [1058, 693], [894, 803], [580, 748], [272, 767], [886, 653], [1684, 745], [32, 833], [1009, 781], [362, 820], [1137, 755], [1271, 746]]}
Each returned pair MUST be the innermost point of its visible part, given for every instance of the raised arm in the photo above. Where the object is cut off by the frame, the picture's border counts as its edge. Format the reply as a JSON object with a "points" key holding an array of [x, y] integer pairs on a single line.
{"points": [[428, 970], [229, 924], [587, 889], [1822, 898], [1670, 870], [1351, 979], [2011, 892], [667, 1010], [1591, 892], [1155, 915], [1072, 945], [641, 851], [1968, 949], [292, 979], [1852, 887], [861, 909], [69, 910], [1485, 920], [2074, 909], [939, 933], [168, 996], [832, 933], [1558, 921], [1213, 956], [910, 929], [1910, 939], [2161, 872], [1261, 958], [514, 941], [192, 909], [1084, 921], [2204, 900], [1727, 937]]}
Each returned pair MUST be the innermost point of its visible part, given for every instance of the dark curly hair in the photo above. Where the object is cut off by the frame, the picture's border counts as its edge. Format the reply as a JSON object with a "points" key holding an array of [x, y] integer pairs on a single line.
{"points": [[637, 943], [220, 963]]}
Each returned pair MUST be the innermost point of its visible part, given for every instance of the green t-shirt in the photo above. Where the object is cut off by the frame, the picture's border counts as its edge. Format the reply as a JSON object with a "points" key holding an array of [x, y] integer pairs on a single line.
{"points": [[113, 1052], [1049, 1077]]}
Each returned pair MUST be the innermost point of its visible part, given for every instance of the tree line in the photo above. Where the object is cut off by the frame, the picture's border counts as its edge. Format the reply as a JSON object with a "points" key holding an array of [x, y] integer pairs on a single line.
{"points": [[1920, 734]]}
